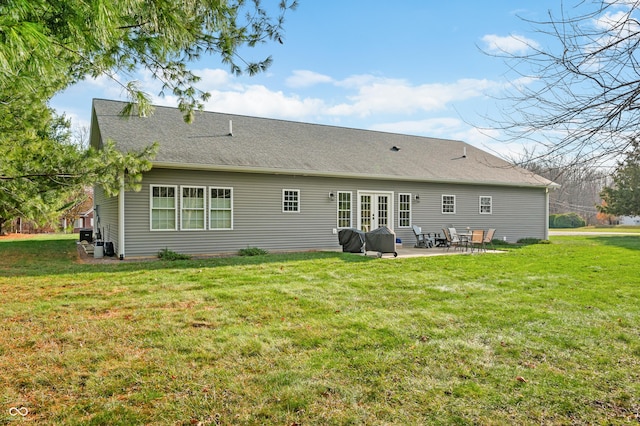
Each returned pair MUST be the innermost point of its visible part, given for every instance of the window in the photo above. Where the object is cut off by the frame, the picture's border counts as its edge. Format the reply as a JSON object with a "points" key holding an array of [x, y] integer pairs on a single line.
{"points": [[404, 210], [448, 204], [163, 208], [192, 212], [485, 205], [344, 210], [291, 200], [220, 208]]}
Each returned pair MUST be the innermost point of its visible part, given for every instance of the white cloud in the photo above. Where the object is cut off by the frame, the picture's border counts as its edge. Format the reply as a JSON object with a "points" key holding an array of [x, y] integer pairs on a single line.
{"points": [[363, 100], [78, 121], [213, 79], [259, 101], [511, 44], [305, 78], [384, 96], [358, 96], [433, 127], [456, 129]]}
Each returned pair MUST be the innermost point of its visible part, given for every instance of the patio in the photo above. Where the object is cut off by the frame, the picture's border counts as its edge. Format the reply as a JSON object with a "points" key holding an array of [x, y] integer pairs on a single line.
{"points": [[406, 252]]}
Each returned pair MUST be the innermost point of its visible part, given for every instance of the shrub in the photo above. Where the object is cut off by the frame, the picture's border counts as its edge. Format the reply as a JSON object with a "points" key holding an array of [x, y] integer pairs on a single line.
{"points": [[166, 254], [566, 220], [499, 242], [529, 241], [252, 251]]}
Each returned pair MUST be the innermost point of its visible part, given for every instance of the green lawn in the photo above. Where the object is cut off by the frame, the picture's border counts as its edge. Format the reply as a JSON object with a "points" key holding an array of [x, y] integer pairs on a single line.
{"points": [[625, 229], [544, 334]]}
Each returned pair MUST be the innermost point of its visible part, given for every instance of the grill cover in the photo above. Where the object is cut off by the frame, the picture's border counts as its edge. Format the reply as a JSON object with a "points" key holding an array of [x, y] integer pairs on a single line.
{"points": [[382, 240], [351, 240]]}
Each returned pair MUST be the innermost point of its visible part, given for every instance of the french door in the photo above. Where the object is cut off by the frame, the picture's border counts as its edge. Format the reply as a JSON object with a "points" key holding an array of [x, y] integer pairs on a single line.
{"points": [[375, 209]]}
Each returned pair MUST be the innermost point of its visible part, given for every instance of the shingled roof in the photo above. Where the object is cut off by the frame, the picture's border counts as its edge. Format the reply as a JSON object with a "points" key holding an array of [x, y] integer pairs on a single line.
{"points": [[218, 141]]}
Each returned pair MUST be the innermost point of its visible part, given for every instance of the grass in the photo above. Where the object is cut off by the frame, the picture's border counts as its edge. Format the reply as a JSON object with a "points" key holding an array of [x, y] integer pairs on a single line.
{"points": [[603, 228], [544, 334]]}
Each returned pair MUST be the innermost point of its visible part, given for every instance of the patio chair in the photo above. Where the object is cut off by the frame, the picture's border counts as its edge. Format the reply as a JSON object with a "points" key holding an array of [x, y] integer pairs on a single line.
{"points": [[488, 238], [452, 238], [477, 239], [422, 240]]}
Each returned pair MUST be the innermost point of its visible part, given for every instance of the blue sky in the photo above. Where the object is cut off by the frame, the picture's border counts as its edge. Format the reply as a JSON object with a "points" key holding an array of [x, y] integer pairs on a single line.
{"points": [[412, 66]]}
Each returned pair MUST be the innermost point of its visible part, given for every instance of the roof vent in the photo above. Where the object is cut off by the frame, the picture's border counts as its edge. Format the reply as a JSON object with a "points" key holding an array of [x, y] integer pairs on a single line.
{"points": [[395, 148], [230, 128], [464, 152]]}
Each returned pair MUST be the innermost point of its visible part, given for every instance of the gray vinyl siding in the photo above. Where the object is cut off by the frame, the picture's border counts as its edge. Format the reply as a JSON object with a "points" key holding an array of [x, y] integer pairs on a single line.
{"points": [[516, 212], [106, 216], [258, 219]]}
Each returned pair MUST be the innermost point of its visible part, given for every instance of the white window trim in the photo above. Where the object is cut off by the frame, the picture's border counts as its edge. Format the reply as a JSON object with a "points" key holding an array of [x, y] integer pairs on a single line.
{"points": [[442, 204], [410, 209], [490, 204], [350, 210], [175, 208], [374, 193], [209, 209], [298, 201], [204, 207]]}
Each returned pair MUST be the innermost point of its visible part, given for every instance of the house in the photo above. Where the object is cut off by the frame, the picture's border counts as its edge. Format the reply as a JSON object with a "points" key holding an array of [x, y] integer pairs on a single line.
{"points": [[227, 182], [629, 220], [80, 215]]}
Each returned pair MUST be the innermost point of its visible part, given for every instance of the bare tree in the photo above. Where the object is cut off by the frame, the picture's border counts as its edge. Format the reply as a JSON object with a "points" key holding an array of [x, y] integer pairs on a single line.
{"points": [[80, 136], [580, 185], [577, 90]]}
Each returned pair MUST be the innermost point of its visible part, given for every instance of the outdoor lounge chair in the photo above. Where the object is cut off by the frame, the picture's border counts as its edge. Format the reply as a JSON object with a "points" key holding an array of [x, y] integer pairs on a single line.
{"points": [[422, 240], [488, 238]]}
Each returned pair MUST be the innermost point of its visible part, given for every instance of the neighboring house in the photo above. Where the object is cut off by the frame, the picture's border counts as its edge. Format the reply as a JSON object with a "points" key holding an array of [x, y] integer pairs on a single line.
{"points": [[83, 221], [629, 220], [228, 182], [79, 216]]}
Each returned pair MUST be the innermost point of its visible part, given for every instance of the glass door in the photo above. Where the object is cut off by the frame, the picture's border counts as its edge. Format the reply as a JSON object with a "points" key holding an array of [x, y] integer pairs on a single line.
{"points": [[375, 210], [366, 217]]}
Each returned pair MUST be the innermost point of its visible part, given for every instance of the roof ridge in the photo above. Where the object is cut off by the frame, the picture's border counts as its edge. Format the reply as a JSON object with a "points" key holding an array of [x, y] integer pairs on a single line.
{"points": [[297, 122]]}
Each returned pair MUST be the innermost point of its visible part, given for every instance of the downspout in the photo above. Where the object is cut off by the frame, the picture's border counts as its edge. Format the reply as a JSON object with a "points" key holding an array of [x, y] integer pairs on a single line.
{"points": [[121, 219], [546, 215]]}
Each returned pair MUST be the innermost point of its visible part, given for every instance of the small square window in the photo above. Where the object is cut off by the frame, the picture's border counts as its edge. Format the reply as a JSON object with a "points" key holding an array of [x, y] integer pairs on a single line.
{"points": [[486, 205], [291, 200], [448, 204]]}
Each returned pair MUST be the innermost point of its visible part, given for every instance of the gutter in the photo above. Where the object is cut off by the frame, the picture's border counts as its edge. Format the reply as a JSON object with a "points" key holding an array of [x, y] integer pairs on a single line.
{"points": [[345, 175]]}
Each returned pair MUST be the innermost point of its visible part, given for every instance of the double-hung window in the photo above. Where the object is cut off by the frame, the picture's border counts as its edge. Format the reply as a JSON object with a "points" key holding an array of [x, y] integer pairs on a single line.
{"points": [[192, 211], [291, 200], [486, 204], [448, 204], [404, 210], [163, 213], [220, 208], [344, 209]]}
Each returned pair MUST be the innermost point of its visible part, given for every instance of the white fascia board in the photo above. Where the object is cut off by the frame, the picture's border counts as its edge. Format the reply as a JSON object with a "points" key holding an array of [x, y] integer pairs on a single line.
{"points": [[273, 171]]}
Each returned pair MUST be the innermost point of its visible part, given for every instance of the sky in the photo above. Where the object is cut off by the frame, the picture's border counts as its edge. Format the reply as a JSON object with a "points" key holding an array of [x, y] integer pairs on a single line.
{"points": [[416, 67]]}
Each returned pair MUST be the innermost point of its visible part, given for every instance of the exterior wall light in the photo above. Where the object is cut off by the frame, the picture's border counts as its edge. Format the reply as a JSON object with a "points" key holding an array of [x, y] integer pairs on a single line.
{"points": [[332, 196]]}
